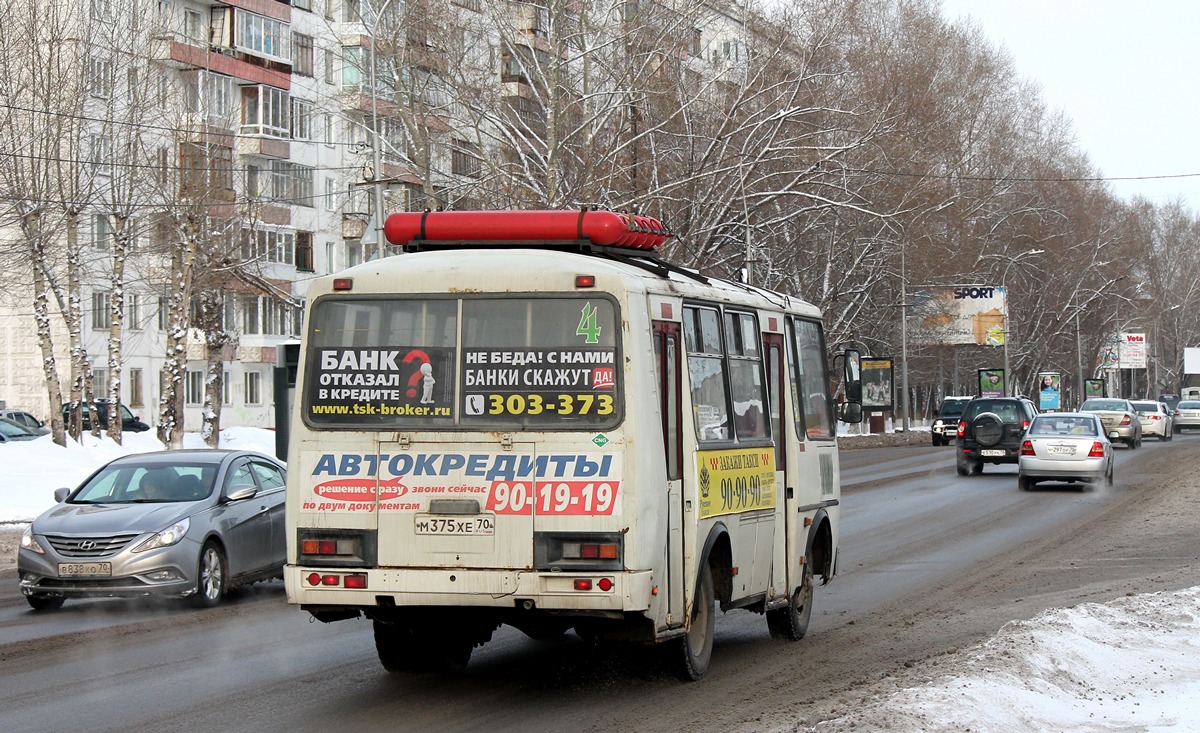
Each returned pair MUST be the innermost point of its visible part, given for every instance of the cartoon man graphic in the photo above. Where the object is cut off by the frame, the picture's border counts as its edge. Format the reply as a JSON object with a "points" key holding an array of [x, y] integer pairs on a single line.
{"points": [[427, 383]]}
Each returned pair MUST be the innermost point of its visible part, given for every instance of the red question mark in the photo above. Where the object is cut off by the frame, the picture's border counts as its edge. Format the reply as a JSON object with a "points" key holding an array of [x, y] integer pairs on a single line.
{"points": [[415, 355]]}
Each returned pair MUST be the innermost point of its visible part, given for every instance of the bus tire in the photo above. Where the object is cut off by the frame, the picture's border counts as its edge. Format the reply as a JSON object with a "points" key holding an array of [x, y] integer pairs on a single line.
{"points": [[791, 622], [694, 650], [401, 649]]}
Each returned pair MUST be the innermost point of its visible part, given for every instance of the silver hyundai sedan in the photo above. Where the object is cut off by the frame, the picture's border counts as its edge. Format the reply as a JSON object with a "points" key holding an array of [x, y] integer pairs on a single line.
{"points": [[187, 523]]}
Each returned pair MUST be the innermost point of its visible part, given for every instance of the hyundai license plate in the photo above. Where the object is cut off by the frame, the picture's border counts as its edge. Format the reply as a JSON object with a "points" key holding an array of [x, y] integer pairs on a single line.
{"points": [[479, 524], [992, 453], [85, 569]]}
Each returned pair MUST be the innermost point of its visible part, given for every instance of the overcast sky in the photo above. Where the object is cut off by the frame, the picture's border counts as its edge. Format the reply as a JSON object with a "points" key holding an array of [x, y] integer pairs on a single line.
{"points": [[1126, 73]]}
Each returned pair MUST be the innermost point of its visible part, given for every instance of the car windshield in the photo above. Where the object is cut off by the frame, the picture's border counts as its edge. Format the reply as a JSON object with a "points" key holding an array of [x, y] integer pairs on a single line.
{"points": [[1145, 406], [1189, 405], [134, 483], [1109, 405], [1063, 425], [952, 408], [13, 430]]}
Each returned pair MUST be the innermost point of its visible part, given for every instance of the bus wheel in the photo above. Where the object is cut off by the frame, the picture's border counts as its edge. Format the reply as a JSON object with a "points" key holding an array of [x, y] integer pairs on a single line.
{"points": [[695, 648], [395, 646], [791, 622], [401, 649]]}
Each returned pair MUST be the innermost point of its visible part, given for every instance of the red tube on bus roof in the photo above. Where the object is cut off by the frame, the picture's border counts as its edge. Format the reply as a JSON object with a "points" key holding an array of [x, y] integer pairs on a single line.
{"points": [[602, 228]]}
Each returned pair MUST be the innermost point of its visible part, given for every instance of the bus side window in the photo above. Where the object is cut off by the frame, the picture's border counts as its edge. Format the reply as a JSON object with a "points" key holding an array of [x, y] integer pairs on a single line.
{"points": [[813, 382], [666, 363], [706, 373]]}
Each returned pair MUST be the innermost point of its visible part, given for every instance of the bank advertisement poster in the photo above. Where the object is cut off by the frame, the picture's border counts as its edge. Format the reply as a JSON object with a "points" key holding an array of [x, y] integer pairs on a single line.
{"points": [[959, 315], [991, 382], [877, 381], [378, 384], [1049, 391]]}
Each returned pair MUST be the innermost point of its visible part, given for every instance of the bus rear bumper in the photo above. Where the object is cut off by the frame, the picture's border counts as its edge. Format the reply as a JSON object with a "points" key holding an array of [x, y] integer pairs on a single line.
{"points": [[621, 592]]}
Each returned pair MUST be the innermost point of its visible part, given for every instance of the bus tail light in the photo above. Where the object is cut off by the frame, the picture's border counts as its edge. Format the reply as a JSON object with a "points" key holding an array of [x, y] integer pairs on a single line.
{"points": [[572, 551], [356, 581], [335, 547]]}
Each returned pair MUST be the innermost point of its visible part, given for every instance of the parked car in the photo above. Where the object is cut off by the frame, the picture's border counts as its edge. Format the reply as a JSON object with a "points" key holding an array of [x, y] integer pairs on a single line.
{"points": [[1156, 418], [1065, 446], [10, 431], [22, 417], [186, 523], [1120, 419], [130, 423], [990, 431], [1189, 415], [945, 425]]}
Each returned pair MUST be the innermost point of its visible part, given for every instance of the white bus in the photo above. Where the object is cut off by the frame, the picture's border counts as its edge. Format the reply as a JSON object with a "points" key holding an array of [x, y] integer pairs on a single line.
{"points": [[529, 419]]}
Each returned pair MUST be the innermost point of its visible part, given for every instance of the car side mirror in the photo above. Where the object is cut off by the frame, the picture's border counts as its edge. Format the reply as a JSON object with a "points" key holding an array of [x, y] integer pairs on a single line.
{"points": [[241, 492], [60, 495]]}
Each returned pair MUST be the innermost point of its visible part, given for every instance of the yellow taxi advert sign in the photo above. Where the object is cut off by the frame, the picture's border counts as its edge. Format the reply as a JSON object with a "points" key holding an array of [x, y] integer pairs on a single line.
{"points": [[737, 480]]}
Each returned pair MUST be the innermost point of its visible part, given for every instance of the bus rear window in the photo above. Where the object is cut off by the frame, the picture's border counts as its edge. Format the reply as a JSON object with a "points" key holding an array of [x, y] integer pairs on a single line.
{"points": [[488, 363]]}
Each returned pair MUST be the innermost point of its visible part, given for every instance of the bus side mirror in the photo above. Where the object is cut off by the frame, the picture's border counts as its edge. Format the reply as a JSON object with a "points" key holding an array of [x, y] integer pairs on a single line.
{"points": [[852, 375], [850, 412]]}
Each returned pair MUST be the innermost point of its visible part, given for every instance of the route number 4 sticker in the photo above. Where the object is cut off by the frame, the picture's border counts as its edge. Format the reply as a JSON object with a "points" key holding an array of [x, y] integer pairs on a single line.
{"points": [[588, 327]]}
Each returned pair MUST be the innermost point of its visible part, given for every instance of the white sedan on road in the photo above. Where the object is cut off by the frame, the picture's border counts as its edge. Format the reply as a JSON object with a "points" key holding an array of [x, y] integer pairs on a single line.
{"points": [[1066, 447], [1156, 419]]}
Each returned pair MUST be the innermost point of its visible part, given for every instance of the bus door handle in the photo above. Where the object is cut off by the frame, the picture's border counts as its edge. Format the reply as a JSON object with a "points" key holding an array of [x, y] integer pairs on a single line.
{"points": [[791, 493]]}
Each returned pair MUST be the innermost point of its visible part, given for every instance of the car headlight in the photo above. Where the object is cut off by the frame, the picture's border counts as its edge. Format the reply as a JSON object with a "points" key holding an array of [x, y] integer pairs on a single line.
{"points": [[29, 543], [167, 537]]}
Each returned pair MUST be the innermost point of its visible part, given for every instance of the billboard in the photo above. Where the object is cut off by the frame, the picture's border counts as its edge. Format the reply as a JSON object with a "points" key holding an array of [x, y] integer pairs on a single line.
{"points": [[877, 384], [991, 382], [1049, 391], [1131, 351], [1093, 388], [959, 315], [1191, 360]]}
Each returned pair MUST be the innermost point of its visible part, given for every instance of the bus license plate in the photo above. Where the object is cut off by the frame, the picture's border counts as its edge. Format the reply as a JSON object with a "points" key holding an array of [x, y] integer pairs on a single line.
{"points": [[991, 453], [482, 525], [84, 569]]}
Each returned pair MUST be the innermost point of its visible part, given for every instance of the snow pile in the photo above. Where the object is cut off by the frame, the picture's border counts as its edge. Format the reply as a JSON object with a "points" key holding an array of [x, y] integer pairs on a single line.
{"points": [[1129, 665]]}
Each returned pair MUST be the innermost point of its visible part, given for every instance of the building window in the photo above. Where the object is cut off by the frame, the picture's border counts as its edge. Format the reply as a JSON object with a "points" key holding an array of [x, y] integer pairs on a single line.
{"points": [[101, 316], [301, 119], [164, 313], [330, 193], [101, 9], [265, 111], [302, 4], [133, 311], [100, 77], [194, 390], [101, 233], [262, 36], [100, 384], [302, 54], [100, 154], [253, 388], [465, 159], [226, 392], [206, 170], [304, 251], [136, 389], [250, 322], [330, 65], [354, 252], [302, 185], [193, 27], [330, 257]]}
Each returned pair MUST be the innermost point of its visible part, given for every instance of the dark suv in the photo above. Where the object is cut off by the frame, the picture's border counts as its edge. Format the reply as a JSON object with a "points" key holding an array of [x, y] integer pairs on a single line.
{"points": [[990, 431], [130, 423]]}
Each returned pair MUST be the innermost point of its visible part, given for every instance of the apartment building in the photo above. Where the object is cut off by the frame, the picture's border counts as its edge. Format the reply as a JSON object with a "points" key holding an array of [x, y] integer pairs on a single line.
{"points": [[278, 127]]}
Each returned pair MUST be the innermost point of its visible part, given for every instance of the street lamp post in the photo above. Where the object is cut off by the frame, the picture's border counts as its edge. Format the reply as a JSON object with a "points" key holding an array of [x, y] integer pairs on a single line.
{"points": [[377, 182]]}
